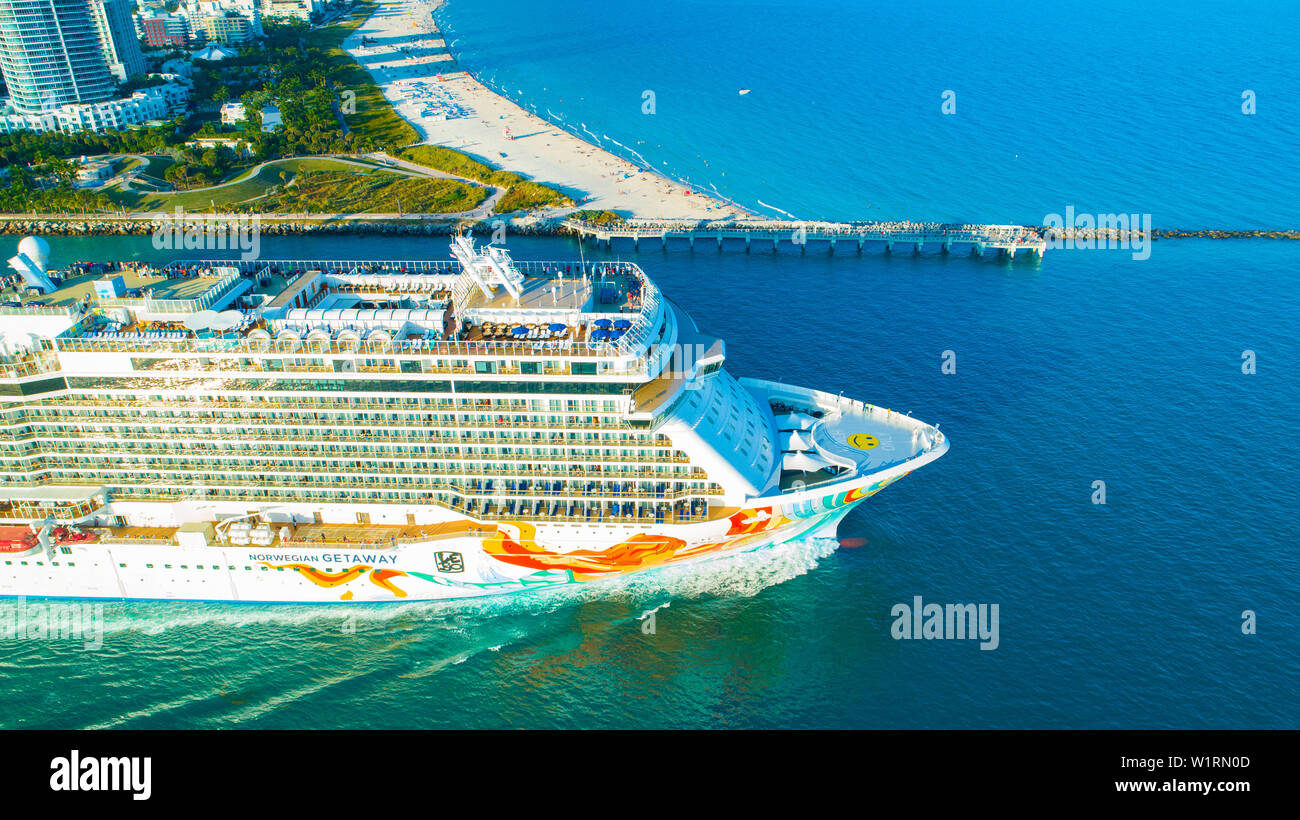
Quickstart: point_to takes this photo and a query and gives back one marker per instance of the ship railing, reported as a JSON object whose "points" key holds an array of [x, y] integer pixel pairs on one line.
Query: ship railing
{"points": [[316, 543], [181, 447], [455, 504], [565, 467], [192, 481], [113, 475], [31, 365], [123, 539], [438, 424], [333, 435], [47, 310], [553, 348], [209, 408]]}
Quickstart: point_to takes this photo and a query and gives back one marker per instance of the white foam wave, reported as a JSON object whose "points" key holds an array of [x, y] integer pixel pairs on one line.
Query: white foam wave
{"points": [[778, 210]]}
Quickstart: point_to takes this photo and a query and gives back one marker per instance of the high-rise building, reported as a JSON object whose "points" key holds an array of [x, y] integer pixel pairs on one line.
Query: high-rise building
{"points": [[118, 39], [228, 29], [165, 30], [301, 9], [50, 55], [198, 12]]}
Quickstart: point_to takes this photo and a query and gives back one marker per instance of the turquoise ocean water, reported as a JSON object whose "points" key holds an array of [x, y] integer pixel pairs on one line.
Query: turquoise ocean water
{"points": [[1089, 366]]}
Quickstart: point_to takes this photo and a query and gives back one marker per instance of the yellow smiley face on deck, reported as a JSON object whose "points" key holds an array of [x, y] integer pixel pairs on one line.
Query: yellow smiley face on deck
{"points": [[863, 441]]}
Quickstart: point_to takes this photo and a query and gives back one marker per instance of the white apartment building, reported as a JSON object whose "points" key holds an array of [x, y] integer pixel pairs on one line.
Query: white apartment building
{"points": [[153, 103]]}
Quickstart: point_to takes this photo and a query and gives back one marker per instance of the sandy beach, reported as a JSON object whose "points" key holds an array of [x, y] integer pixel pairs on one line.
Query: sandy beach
{"points": [[405, 53]]}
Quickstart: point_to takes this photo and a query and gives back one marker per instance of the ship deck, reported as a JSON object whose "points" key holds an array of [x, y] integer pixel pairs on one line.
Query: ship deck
{"points": [[76, 288], [324, 536]]}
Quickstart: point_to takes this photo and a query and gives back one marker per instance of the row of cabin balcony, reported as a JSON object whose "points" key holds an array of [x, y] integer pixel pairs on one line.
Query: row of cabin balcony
{"points": [[466, 425], [324, 403], [557, 463], [127, 447], [357, 409], [375, 428], [680, 512], [428, 471], [410, 367], [399, 417], [192, 482], [685, 511], [279, 434], [420, 351]]}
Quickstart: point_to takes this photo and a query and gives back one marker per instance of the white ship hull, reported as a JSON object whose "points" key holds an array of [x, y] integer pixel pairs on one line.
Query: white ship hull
{"points": [[494, 558], [371, 432]]}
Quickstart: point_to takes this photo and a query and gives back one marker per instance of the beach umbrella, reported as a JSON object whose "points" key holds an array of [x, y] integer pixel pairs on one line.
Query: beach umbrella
{"points": [[603, 323], [794, 421], [797, 440], [520, 331], [623, 323], [805, 462], [556, 327], [600, 335]]}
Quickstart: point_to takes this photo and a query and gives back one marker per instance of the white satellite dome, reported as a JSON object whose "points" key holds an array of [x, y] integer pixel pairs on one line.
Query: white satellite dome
{"points": [[35, 249]]}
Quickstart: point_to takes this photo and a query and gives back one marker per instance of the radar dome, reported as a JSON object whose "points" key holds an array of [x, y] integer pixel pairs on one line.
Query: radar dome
{"points": [[35, 249]]}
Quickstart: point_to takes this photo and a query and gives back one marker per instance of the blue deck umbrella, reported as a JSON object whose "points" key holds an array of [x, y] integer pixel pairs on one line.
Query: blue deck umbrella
{"points": [[603, 323], [520, 331], [556, 327], [623, 323]]}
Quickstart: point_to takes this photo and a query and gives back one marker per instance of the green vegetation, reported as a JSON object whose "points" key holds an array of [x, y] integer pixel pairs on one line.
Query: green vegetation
{"points": [[374, 120], [372, 192], [26, 147], [242, 189], [520, 194], [46, 186], [329, 105], [597, 217]]}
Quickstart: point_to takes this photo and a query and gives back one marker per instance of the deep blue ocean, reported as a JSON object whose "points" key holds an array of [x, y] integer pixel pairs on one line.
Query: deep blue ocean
{"points": [[1112, 107], [1090, 366]]}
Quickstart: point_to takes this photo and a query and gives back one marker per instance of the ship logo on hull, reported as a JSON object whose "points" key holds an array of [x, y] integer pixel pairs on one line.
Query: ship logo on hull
{"points": [[449, 561]]}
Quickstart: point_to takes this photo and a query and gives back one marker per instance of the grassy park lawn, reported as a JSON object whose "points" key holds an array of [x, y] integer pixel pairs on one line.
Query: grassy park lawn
{"points": [[372, 192], [242, 187], [374, 117], [521, 194]]}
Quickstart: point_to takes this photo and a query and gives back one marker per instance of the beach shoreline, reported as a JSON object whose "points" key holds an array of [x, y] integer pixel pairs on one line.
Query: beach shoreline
{"points": [[401, 47]]}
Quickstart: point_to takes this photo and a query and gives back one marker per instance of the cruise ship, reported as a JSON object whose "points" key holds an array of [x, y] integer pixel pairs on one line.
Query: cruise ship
{"points": [[337, 431]]}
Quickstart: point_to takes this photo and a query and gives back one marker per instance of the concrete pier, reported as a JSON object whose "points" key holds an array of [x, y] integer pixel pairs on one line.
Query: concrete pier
{"points": [[1005, 239]]}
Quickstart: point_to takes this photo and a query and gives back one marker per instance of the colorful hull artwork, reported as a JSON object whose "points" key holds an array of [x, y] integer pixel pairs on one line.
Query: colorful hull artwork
{"points": [[328, 579], [514, 544], [481, 559], [750, 527]]}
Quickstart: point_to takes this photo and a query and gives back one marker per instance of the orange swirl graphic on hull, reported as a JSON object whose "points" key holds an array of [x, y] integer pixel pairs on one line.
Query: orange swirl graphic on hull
{"points": [[321, 578], [380, 578], [855, 494], [760, 519], [638, 552]]}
